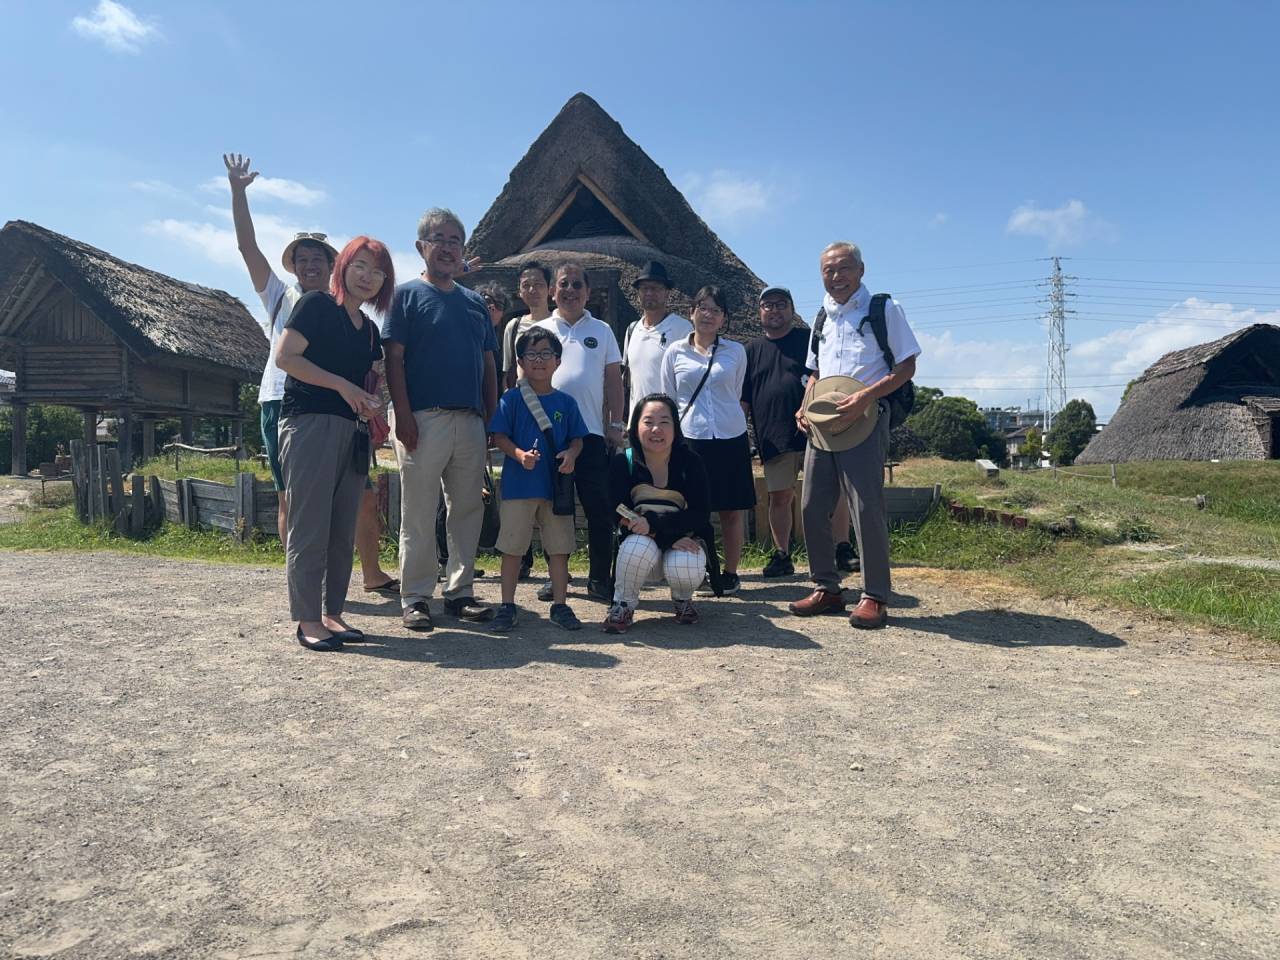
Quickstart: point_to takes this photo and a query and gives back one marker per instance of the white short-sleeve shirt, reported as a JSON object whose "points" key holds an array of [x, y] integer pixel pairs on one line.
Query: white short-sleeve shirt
{"points": [[843, 351], [589, 346], [717, 411], [279, 300], [645, 351]]}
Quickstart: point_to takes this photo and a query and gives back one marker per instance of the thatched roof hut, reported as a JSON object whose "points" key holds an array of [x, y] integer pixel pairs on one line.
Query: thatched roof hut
{"points": [[1214, 401], [86, 329], [585, 191]]}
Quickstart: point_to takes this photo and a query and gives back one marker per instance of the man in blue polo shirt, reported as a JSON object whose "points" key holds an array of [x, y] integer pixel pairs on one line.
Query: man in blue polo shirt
{"points": [[443, 382]]}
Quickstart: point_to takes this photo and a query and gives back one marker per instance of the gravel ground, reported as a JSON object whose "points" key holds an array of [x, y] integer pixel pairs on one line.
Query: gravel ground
{"points": [[993, 776]]}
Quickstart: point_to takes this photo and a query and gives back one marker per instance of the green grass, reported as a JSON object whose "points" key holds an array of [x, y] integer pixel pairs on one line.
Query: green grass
{"points": [[1229, 596]]}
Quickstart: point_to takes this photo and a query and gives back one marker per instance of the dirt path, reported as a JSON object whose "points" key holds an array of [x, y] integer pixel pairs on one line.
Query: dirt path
{"points": [[14, 495], [991, 777]]}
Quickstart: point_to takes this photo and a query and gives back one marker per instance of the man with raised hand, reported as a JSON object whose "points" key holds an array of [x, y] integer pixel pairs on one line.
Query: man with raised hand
{"points": [[844, 344], [647, 339], [444, 388], [309, 257], [590, 371]]}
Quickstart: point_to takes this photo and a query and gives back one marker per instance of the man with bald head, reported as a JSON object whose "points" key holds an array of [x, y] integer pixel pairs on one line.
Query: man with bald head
{"points": [[844, 344]]}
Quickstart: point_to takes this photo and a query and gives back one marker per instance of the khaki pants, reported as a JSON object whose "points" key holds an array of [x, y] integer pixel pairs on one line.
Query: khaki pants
{"points": [[324, 490], [858, 475], [451, 448]]}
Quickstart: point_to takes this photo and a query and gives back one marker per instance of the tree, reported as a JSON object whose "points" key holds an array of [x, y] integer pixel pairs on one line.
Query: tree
{"points": [[1073, 428], [47, 426], [952, 427], [1033, 448], [924, 397]]}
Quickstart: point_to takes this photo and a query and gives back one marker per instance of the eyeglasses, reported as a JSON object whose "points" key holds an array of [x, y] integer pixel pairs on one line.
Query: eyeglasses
{"points": [[359, 269], [566, 284], [543, 355], [449, 243], [774, 305]]}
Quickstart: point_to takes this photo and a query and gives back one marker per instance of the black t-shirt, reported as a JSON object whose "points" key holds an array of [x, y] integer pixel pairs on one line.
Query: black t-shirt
{"points": [[774, 388], [333, 344]]}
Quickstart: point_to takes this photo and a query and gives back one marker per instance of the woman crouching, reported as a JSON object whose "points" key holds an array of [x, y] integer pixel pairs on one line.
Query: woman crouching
{"points": [[663, 486], [327, 349]]}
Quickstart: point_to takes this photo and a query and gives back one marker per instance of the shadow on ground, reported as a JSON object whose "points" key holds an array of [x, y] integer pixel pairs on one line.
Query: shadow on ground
{"points": [[1002, 628]]}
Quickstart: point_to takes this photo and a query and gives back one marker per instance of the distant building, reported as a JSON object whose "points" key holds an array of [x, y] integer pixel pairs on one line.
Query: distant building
{"points": [[1214, 401], [1004, 419], [8, 382]]}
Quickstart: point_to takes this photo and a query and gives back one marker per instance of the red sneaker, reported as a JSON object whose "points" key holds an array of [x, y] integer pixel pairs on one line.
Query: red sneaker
{"points": [[619, 618]]}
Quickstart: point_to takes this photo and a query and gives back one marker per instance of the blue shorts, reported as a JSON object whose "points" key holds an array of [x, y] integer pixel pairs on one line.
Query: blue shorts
{"points": [[271, 439]]}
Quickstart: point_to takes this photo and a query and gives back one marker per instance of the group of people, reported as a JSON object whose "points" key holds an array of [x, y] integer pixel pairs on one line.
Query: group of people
{"points": [[650, 438]]}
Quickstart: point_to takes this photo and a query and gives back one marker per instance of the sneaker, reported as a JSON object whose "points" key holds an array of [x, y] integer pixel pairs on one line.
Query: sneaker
{"points": [[526, 571], [618, 619], [704, 589], [505, 619], [547, 593], [729, 583], [685, 612], [468, 608], [779, 565], [417, 616], [601, 590], [563, 617], [846, 559]]}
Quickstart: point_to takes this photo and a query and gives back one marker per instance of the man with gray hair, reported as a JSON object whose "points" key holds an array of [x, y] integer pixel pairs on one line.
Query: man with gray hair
{"points": [[443, 382], [861, 351]]}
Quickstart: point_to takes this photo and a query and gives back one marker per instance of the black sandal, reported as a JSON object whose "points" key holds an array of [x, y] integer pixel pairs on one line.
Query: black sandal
{"points": [[391, 588]]}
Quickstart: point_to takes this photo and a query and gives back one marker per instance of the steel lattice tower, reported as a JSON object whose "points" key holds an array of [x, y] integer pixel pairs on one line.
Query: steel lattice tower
{"points": [[1055, 381]]}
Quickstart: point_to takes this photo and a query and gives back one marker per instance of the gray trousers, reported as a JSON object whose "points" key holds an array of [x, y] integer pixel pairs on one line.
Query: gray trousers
{"points": [[858, 475], [324, 490]]}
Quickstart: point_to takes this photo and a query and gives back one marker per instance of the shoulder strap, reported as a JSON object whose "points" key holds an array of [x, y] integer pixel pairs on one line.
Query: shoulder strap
{"points": [[626, 340], [880, 327], [631, 463], [535, 407], [279, 303], [705, 373], [815, 335]]}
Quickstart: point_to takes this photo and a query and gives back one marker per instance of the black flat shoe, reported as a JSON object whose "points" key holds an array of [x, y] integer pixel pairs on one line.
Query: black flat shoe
{"points": [[348, 636], [329, 643]]}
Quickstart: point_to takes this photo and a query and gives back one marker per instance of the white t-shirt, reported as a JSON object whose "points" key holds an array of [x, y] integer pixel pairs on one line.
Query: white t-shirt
{"points": [[844, 352], [589, 346], [717, 413], [510, 334], [272, 386], [644, 355]]}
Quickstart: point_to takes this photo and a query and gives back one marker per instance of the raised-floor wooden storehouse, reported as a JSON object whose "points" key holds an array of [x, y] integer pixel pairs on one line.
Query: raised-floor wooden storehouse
{"points": [[1214, 401], [585, 191], [85, 329]]}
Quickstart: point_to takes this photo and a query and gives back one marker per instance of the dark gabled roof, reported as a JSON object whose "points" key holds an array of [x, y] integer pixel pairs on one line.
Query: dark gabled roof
{"points": [[153, 314], [1200, 354], [585, 154]]}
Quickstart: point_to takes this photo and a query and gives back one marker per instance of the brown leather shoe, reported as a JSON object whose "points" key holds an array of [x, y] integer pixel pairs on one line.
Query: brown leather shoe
{"points": [[818, 602], [869, 614]]}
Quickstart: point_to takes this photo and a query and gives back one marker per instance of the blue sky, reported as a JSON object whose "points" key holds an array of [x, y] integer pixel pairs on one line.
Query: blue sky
{"points": [[958, 144]]}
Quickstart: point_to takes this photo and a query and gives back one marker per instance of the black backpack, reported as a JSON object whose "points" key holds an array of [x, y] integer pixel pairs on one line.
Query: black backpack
{"points": [[902, 400]]}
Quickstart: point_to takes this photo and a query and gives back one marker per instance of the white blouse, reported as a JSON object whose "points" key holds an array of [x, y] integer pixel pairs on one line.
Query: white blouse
{"points": [[717, 413]]}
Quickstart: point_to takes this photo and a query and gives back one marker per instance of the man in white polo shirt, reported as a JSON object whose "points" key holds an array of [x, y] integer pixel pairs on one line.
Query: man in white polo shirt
{"points": [[591, 372], [647, 339]]}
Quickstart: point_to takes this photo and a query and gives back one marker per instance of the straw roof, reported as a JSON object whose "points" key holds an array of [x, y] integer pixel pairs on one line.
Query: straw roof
{"points": [[153, 314], [586, 191], [1213, 401]]}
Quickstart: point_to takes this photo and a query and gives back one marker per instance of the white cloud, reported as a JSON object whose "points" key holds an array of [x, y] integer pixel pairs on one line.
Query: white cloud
{"points": [[1068, 224], [159, 188], [938, 220], [727, 196], [998, 372], [276, 188], [117, 27]]}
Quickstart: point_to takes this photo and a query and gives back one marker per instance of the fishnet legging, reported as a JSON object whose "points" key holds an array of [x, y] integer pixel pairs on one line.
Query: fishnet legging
{"points": [[640, 559]]}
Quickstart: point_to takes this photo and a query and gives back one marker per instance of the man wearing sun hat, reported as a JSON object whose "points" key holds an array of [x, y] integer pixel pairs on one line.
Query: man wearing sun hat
{"points": [[846, 415]]}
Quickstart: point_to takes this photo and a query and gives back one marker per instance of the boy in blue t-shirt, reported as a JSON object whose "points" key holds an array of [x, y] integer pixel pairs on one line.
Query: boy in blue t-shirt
{"points": [[526, 476]]}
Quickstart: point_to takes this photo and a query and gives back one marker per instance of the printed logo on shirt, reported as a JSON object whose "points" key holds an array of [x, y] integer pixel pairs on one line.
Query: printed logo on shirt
{"points": [[591, 343], [557, 416]]}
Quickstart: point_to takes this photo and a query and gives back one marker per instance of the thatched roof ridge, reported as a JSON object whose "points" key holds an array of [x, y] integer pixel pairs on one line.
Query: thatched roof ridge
{"points": [[584, 139], [1207, 402], [153, 314], [1200, 354]]}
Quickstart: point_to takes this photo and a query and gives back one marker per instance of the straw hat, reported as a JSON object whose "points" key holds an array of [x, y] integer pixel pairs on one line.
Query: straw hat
{"points": [[826, 430], [286, 258]]}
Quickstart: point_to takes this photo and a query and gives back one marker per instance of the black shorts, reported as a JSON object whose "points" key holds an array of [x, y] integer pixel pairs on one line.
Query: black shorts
{"points": [[728, 465]]}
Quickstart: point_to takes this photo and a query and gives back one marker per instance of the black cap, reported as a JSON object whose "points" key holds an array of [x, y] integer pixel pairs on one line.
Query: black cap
{"points": [[653, 271]]}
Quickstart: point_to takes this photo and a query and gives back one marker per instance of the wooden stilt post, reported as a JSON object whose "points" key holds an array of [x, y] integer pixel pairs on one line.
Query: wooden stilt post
{"points": [[124, 437], [148, 438], [119, 503]]}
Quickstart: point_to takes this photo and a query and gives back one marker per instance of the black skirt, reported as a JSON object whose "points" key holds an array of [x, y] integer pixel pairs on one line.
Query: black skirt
{"points": [[728, 464]]}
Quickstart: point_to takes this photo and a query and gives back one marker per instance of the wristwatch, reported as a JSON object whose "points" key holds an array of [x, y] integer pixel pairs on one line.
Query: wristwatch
{"points": [[617, 425]]}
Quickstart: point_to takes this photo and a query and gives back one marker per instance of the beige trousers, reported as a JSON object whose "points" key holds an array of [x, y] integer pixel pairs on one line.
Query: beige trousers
{"points": [[451, 447]]}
